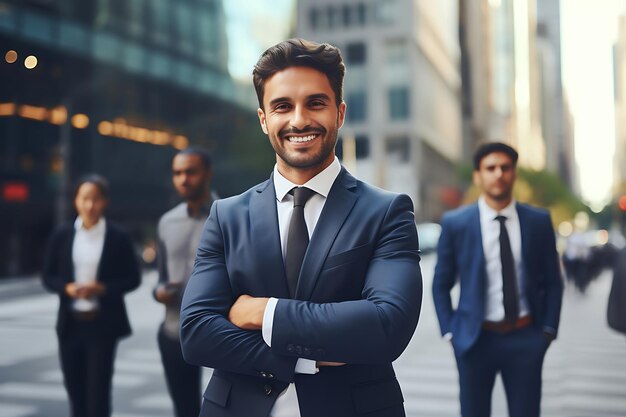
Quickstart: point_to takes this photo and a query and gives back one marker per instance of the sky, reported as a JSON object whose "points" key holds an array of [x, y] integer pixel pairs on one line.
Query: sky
{"points": [[252, 27], [588, 32]]}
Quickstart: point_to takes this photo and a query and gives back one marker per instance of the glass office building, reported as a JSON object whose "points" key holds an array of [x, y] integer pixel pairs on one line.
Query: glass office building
{"points": [[114, 87]]}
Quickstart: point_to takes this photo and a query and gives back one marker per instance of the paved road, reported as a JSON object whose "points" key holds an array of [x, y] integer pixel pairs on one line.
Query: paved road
{"points": [[585, 371]]}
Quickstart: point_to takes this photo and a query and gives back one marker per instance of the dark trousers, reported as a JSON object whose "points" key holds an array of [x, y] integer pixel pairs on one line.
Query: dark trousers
{"points": [[183, 380], [518, 357], [87, 366]]}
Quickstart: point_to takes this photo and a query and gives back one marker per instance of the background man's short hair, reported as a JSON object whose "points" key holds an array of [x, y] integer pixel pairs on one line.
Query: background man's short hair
{"points": [[204, 156], [491, 147]]}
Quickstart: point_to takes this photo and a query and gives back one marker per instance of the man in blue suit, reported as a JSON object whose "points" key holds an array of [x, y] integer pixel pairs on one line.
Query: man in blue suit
{"points": [[503, 255], [306, 287]]}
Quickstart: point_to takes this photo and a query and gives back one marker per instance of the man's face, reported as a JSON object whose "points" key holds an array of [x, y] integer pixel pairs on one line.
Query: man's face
{"points": [[301, 119], [190, 177], [496, 176]]}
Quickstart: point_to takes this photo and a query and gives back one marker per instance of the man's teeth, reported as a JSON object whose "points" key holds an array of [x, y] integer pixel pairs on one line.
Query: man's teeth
{"points": [[299, 139]]}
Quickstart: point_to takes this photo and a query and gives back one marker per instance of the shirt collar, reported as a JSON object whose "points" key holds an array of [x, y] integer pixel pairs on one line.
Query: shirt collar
{"points": [[487, 213], [204, 211], [98, 227], [321, 183]]}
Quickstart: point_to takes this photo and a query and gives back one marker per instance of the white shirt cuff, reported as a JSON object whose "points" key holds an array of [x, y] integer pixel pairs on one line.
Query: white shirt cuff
{"points": [[447, 337], [268, 321], [306, 366]]}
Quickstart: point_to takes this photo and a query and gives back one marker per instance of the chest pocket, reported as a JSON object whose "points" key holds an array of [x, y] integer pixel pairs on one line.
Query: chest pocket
{"points": [[361, 252]]}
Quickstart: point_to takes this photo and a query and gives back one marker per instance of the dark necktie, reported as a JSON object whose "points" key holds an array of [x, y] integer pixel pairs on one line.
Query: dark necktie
{"points": [[297, 238], [509, 281]]}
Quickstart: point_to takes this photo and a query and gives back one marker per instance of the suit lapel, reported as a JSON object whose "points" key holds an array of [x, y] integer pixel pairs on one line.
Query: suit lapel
{"points": [[339, 203], [476, 237], [524, 232], [67, 250], [269, 264]]}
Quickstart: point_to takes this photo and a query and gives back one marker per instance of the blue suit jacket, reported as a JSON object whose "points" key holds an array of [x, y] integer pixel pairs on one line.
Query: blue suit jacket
{"points": [[358, 301], [460, 258]]}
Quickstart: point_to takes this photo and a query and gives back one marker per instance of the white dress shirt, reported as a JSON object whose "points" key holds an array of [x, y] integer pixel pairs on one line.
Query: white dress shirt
{"points": [[490, 230], [86, 254], [287, 402]]}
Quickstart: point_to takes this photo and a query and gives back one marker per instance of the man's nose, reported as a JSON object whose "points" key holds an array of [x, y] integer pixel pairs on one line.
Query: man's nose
{"points": [[300, 118]]}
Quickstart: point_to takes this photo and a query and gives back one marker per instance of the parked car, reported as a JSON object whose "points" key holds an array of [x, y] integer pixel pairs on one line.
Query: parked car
{"points": [[428, 234]]}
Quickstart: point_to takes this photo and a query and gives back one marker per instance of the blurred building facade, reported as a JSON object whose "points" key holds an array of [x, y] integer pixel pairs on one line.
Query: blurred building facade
{"points": [[619, 59], [512, 86], [402, 91], [554, 119], [114, 87]]}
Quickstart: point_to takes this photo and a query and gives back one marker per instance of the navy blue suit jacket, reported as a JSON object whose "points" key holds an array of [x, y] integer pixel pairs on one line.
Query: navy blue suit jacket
{"points": [[357, 301], [460, 258], [118, 271]]}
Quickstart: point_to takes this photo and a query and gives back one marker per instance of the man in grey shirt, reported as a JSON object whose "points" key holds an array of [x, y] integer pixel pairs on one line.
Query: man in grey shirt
{"points": [[179, 234]]}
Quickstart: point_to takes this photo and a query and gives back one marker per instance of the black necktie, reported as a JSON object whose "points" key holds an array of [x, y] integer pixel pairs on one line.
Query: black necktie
{"points": [[509, 281], [297, 238]]}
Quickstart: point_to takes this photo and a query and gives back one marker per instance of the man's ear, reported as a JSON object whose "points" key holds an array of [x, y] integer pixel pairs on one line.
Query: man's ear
{"points": [[342, 114], [261, 115], [476, 178]]}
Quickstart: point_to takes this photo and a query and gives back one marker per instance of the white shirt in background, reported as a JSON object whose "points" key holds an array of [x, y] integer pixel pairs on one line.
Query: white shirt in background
{"points": [[86, 254]]}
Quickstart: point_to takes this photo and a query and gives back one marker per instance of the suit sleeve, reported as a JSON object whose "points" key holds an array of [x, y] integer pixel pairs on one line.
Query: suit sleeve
{"points": [[207, 337], [128, 275], [51, 274], [553, 281], [445, 277], [375, 329]]}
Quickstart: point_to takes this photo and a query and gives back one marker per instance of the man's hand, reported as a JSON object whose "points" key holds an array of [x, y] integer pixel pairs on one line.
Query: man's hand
{"points": [[84, 290], [167, 293], [247, 312], [323, 363]]}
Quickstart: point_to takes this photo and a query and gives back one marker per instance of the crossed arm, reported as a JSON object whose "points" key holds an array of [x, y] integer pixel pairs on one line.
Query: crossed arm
{"points": [[218, 331]]}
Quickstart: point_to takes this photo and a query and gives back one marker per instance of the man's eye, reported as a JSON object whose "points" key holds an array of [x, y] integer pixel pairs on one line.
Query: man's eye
{"points": [[282, 106], [317, 103]]}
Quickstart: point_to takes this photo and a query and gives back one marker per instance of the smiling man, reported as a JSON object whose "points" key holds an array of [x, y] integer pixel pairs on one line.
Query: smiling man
{"points": [[306, 287], [503, 255]]}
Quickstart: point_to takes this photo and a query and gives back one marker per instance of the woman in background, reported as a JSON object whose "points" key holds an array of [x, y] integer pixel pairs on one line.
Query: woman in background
{"points": [[91, 264]]}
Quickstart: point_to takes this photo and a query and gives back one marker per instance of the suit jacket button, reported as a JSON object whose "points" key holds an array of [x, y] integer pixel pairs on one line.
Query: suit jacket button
{"points": [[299, 350], [267, 389], [291, 348], [307, 351], [269, 375]]}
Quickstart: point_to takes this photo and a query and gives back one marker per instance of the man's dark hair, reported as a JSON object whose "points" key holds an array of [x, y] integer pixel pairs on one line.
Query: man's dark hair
{"points": [[96, 179], [204, 156], [492, 147], [300, 53]]}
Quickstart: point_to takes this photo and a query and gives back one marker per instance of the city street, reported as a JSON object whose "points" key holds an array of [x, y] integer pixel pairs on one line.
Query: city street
{"points": [[585, 369]]}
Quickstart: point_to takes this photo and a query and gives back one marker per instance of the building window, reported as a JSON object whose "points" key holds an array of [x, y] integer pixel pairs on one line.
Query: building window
{"points": [[347, 15], [384, 12], [314, 18], [362, 145], [333, 17], [356, 106], [355, 53], [361, 14], [398, 149], [398, 103]]}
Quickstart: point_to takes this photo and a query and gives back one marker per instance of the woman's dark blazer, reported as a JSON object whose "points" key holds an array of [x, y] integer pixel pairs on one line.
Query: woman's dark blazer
{"points": [[118, 271]]}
